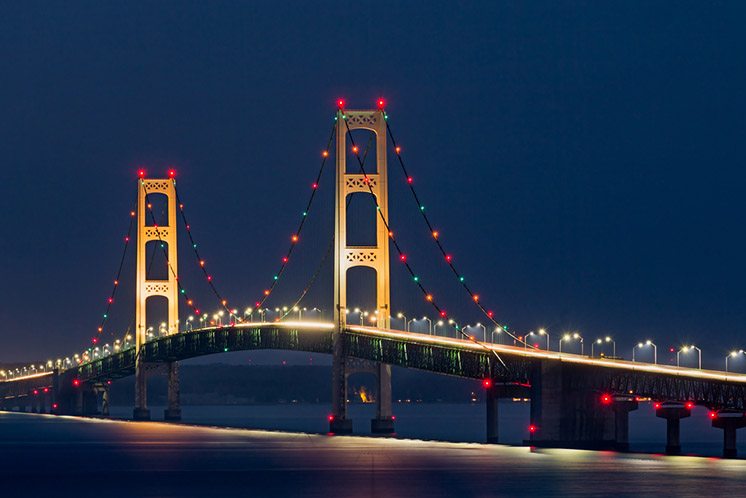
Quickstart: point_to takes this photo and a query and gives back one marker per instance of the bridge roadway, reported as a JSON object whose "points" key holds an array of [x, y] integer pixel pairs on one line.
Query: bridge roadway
{"points": [[443, 355]]}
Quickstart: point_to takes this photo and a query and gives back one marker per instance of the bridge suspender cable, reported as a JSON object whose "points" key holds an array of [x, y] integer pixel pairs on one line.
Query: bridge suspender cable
{"points": [[112, 294], [200, 262], [402, 257], [296, 236], [435, 235], [328, 252]]}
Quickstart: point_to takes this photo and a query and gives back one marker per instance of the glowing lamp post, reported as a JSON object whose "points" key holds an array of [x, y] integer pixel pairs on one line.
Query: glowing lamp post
{"points": [[569, 337], [640, 345], [600, 341], [733, 354], [686, 349]]}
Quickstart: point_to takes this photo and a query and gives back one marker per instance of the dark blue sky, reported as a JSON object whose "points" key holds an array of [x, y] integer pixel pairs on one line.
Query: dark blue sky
{"points": [[583, 161]]}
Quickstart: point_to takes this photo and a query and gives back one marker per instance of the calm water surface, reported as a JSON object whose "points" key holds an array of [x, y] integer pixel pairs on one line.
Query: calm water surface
{"points": [[43, 455]]}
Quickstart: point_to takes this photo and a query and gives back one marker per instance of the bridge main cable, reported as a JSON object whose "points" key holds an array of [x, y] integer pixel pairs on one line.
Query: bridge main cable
{"points": [[402, 256]]}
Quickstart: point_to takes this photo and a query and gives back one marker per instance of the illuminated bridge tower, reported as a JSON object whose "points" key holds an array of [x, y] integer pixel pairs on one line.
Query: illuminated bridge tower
{"points": [[147, 288], [346, 257]]}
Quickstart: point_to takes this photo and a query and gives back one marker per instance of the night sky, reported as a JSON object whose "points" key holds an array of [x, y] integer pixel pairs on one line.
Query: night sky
{"points": [[583, 162]]}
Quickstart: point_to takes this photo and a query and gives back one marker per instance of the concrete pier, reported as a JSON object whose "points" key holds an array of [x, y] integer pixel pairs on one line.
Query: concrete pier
{"points": [[729, 422], [673, 412], [173, 411], [491, 404], [384, 421]]}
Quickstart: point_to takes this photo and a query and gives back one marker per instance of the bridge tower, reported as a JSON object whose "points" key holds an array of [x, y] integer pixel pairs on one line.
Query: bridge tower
{"points": [[346, 257], [146, 288]]}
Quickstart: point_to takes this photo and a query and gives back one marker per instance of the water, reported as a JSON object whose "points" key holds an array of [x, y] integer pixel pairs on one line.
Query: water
{"points": [[43, 455]]}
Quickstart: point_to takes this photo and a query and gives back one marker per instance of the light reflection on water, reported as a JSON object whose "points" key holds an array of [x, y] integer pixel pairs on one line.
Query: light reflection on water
{"points": [[447, 422], [62, 456]]}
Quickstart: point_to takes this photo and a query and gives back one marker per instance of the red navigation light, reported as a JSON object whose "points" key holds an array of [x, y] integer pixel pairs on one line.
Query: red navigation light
{"points": [[606, 399], [76, 383], [393, 417], [487, 383], [141, 173], [713, 415], [46, 389], [656, 405], [36, 392], [330, 418], [532, 428], [172, 173], [689, 405], [381, 103], [443, 314], [671, 350], [94, 340], [55, 406], [341, 104]]}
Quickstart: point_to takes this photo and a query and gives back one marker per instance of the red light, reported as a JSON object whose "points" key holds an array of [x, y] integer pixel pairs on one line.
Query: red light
{"points": [[487, 383], [671, 350], [393, 417], [46, 389], [443, 314], [689, 405], [285, 259], [76, 383], [410, 180], [55, 406], [172, 173], [340, 104], [315, 186], [381, 104], [490, 314], [330, 418], [403, 258], [36, 392], [141, 173], [532, 428], [449, 258], [656, 406], [94, 340], [606, 399], [713, 415]]}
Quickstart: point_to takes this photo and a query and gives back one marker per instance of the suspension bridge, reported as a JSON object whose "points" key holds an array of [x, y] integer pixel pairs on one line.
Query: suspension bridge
{"points": [[577, 400]]}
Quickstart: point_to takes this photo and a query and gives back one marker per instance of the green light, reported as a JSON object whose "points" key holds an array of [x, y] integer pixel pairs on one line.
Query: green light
{"points": [[106, 316], [416, 278], [194, 246], [225, 350], [275, 277], [183, 291], [461, 279], [422, 208], [305, 213]]}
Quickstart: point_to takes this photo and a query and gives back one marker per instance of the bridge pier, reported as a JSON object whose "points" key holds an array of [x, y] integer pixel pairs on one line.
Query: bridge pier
{"points": [[141, 411], [86, 401], [567, 412], [622, 405], [173, 411], [673, 413], [491, 400], [338, 421], [384, 421], [729, 422]]}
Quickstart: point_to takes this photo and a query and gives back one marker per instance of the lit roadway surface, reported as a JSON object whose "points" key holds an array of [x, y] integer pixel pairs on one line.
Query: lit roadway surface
{"points": [[310, 326], [42, 455]]}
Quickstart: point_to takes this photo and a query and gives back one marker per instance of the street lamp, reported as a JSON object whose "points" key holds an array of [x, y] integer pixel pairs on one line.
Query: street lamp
{"points": [[569, 337], [189, 326], [686, 349], [732, 354], [403, 317], [647, 343], [540, 332], [498, 330], [600, 341], [250, 313], [478, 325]]}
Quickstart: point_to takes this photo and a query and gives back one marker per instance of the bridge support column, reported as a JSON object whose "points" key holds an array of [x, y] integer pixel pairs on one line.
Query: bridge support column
{"points": [[173, 412], [338, 421], [384, 421], [105, 401], [729, 422], [141, 411], [673, 413], [566, 412], [491, 400], [622, 405]]}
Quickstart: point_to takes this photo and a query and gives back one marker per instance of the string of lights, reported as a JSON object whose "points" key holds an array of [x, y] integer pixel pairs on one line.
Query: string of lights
{"points": [[402, 255], [112, 294], [435, 235], [328, 252], [296, 235], [200, 261]]}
